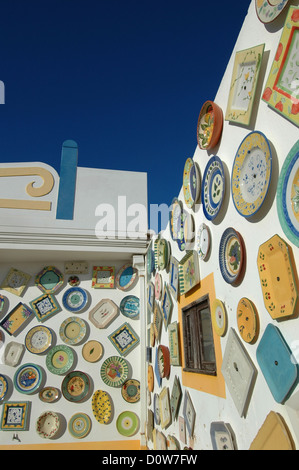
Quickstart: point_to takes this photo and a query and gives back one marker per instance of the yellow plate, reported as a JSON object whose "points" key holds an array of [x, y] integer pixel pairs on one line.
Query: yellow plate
{"points": [[219, 318], [247, 319]]}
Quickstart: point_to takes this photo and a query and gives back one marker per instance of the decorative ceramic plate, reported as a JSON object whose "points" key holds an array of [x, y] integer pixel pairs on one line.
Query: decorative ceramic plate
{"points": [[181, 225], [288, 196], [209, 126], [127, 423], [102, 407], [28, 378], [221, 436], [231, 255], [49, 280], [39, 339], [268, 10], [16, 281], [176, 397], [44, 307], [163, 361], [219, 317], [49, 395], [150, 378], [114, 371], [92, 351], [166, 306], [164, 404], [189, 413], [126, 277], [174, 277], [75, 299], [189, 275], [13, 354], [158, 286], [203, 241], [130, 306], [251, 174], [73, 330], [247, 319], [103, 277], [277, 364], [15, 416], [124, 339], [162, 253], [213, 188], [79, 425], [130, 391], [60, 359], [277, 278], [47, 425], [274, 434], [15, 320], [103, 313], [191, 182], [75, 386], [3, 387]]}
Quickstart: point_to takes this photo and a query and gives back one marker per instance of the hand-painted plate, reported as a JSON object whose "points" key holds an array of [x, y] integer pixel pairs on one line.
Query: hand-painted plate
{"points": [[28, 378], [213, 188], [251, 174], [191, 182], [126, 277], [114, 371], [102, 407], [73, 330], [247, 319], [130, 306], [268, 10], [92, 351], [75, 299], [231, 255], [39, 340], [288, 196], [127, 423], [79, 425], [75, 386], [49, 395], [47, 425], [3, 387], [130, 391], [203, 241], [219, 317], [60, 359]]}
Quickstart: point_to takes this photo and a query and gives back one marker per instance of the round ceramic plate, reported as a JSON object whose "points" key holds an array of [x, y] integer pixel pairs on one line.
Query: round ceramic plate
{"points": [[213, 188], [75, 299], [191, 182], [251, 174], [39, 339], [3, 387], [47, 425], [130, 306], [126, 277], [158, 286], [247, 320], [73, 330], [268, 10], [92, 351], [28, 378], [288, 196], [49, 395], [114, 371], [60, 359], [162, 253], [203, 241], [219, 318], [231, 255], [101, 407], [75, 386], [127, 423], [79, 425], [130, 391]]}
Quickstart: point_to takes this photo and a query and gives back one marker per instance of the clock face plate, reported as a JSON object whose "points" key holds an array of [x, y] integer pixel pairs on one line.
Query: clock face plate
{"points": [[75, 299]]}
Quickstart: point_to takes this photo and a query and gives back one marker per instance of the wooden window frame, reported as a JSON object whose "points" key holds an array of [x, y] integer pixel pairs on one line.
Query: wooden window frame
{"points": [[193, 338]]}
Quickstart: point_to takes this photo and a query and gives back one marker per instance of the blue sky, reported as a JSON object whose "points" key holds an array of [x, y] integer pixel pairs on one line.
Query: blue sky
{"points": [[125, 80]]}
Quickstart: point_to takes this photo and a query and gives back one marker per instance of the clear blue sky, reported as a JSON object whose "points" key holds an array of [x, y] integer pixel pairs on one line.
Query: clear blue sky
{"points": [[124, 79]]}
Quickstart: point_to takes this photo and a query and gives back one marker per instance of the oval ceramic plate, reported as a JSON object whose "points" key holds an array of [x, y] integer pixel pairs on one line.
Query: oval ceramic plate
{"points": [[73, 330], [219, 318], [75, 299], [102, 407], [203, 241], [213, 188], [130, 391], [79, 425], [47, 425], [231, 255], [191, 182], [28, 378], [209, 125], [75, 386], [288, 196], [3, 387], [114, 371], [127, 423], [126, 277], [247, 320], [92, 351], [162, 253], [60, 359], [39, 339], [130, 306], [268, 10], [251, 174], [49, 395]]}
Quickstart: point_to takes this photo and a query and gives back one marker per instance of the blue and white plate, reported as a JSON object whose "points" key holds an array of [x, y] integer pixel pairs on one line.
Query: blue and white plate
{"points": [[130, 306], [213, 188], [74, 299], [231, 255], [28, 378], [126, 277]]}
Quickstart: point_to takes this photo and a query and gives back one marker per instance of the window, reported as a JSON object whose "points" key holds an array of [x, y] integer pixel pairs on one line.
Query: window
{"points": [[198, 338]]}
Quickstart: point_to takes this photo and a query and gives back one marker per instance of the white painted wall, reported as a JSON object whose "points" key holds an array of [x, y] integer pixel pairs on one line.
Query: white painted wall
{"points": [[282, 135]]}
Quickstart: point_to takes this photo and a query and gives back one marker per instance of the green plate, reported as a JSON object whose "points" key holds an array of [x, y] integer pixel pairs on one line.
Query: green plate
{"points": [[60, 359], [75, 386], [114, 371], [127, 423], [79, 425]]}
